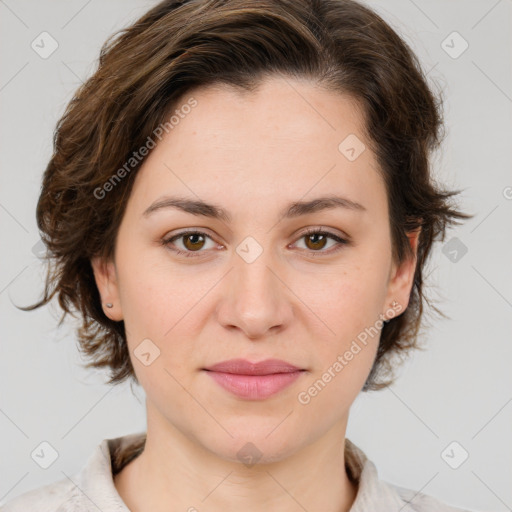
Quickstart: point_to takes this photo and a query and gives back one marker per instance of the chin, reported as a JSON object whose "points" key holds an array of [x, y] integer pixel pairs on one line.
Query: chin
{"points": [[255, 451], [254, 441]]}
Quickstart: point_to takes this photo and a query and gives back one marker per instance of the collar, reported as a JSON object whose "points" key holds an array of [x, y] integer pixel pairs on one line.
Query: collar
{"points": [[95, 481]]}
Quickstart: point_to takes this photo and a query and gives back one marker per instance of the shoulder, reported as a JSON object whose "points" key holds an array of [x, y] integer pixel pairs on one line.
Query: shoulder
{"points": [[420, 502], [48, 498], [376, 494], [93, 486]]}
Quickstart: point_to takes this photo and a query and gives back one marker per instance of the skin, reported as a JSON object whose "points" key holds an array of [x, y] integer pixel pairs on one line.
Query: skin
{"points": [[252, 154]]}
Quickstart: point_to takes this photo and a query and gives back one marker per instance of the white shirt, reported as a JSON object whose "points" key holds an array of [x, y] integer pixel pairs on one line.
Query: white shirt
{"points": [[92, 488]]}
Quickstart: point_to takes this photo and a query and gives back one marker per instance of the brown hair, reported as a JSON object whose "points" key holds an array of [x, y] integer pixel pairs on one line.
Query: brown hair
{"points": [[179, 45]]}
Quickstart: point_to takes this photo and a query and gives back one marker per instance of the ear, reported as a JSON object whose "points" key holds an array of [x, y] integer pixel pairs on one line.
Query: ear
{"points": [[106, 280], [402, 277]]}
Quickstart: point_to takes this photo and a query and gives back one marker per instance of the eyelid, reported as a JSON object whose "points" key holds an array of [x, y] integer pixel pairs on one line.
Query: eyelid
{"points": [[167, 240], [341, 241], [328, 231]]}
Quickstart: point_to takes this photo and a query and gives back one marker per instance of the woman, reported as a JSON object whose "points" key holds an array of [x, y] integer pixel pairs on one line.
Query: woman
{"points": [[240, 206]]}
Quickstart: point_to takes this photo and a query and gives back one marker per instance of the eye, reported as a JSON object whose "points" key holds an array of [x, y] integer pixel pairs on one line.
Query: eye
{"points": [[316, 239], [192, 242]]}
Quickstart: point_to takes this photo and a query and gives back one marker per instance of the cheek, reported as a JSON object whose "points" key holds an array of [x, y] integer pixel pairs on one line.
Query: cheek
{"points": [[347, 303], [348, 297], [154, 295], [344, 354], [166, 307]]}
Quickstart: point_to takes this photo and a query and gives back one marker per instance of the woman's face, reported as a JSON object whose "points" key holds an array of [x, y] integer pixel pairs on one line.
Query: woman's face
{"points": [[253, 284]]}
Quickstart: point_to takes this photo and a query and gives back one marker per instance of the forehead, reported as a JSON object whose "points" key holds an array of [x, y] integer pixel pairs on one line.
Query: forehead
{"points": [[279, 108], [286, 140]]}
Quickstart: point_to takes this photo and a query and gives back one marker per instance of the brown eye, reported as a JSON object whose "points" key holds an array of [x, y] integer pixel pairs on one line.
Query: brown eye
{"points": [[316, 241], [193, 242]]}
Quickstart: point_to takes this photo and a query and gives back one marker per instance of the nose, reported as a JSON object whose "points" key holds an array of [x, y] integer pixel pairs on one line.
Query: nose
{"points": [[255, 298]]}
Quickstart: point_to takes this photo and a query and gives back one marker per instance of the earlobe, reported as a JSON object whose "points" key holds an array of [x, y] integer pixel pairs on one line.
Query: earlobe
{"points": [[106, 282], [402, 279]]}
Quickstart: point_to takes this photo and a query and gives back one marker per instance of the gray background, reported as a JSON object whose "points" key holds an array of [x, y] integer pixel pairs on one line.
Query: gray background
{"points": [[458, 390]]}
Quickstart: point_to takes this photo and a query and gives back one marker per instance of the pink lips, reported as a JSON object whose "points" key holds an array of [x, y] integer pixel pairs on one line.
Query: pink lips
{"points": [[254, 381]]}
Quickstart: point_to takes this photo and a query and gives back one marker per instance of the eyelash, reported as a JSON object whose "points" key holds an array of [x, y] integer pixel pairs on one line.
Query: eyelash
{"points": [[311, 231]]}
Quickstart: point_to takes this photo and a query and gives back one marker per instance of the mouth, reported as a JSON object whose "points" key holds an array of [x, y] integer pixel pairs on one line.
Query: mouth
{"points": [[254, 381], [244, 367]]}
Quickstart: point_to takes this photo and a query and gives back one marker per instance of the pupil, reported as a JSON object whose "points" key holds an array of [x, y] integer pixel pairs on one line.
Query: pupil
{"points": [[192, 237], [315, 238]]}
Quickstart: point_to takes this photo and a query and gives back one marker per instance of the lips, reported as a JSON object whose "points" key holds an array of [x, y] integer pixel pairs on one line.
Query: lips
{"points": [[244, 367], [254, 381]]}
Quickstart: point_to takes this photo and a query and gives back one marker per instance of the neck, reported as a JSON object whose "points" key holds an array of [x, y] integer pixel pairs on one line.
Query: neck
{"points": [[174, 473]]}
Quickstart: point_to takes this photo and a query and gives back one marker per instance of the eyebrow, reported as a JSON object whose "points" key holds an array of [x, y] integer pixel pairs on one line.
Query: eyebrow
{"points": [[295, 209]]}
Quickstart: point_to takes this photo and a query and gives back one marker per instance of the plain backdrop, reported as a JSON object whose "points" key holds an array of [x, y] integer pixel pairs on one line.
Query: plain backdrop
{"points": [[451, 402]]}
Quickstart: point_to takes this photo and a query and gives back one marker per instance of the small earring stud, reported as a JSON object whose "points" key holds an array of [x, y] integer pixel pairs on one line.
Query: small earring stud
{"points": [[109, 305]]}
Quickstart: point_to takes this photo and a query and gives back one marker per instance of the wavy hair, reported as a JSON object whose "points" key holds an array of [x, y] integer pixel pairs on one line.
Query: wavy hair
{"points": [[146, 68]]}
